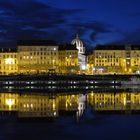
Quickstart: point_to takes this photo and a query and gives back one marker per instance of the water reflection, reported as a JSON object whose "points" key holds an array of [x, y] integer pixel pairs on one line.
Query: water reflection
{"points": [[114, 101], [52, 106], [37, 106]]}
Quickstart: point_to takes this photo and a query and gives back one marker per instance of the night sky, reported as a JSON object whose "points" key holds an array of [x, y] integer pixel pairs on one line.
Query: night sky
{"points": [[96, 21]]}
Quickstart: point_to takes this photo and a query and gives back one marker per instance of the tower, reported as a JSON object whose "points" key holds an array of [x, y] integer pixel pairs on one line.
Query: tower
{"points": [[79, 44], [81, 53]]}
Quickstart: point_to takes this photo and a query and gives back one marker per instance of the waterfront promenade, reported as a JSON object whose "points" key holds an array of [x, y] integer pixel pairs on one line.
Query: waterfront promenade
{"points": [[54, 82]]}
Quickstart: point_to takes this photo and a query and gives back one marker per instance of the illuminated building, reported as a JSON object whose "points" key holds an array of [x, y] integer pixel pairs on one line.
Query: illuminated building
{"points": [[8, 62], [90, 64], [135, 59], [68, 59], [37, 56], [115, 59], [81, 53]]}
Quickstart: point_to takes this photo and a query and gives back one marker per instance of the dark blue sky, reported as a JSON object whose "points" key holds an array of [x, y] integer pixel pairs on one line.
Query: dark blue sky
{"points": [[97, 21]]}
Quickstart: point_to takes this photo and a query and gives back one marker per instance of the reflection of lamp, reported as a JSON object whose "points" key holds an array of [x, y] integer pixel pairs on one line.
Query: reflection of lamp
{"points": [[10, 102], [124, 101], [53, 105], [9, 61]]}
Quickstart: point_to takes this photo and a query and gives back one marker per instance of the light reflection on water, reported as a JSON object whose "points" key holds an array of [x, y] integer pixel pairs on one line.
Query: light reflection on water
{"points": [[96, 115], [39, 105]]}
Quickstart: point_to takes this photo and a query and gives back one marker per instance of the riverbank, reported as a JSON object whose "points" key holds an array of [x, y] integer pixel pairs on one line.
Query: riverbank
{"points": [[61, 83]]}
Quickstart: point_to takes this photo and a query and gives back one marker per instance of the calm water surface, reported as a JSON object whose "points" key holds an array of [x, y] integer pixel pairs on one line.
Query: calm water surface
{"points": [[105, 116]]}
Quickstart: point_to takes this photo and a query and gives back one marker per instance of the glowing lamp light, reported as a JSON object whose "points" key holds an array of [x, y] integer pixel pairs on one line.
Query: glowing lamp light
{"points": [[124, 101], [138, 72], [54, 113], [9, 61], [83, 67], [53, 105], [101, 69], [10, 102]]}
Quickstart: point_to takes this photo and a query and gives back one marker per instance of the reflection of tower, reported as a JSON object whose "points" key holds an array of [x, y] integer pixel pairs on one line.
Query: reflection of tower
{"points": [[81, 105], [81, 52]]}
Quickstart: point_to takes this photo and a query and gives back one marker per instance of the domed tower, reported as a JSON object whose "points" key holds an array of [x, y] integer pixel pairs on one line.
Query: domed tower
{"points": [[81, 53], [79, 44]]}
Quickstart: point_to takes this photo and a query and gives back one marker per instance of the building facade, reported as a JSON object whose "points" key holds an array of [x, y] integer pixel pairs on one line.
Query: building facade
{"points": [[112, 59], [37, 57], [90, 60], [8, 61], [135, 59], [41, 56], [68, 59]]}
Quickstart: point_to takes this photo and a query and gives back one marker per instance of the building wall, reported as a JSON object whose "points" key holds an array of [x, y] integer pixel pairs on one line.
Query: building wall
{"points": [[68, 61], [37, 59], [82, 63], [45, 59], [123, 61], [109, 61], [135, 61], [90, 60], [8, 63]]}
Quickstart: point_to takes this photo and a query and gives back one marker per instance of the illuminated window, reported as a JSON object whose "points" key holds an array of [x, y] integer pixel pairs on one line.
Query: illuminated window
{"points": [[9, 61]]}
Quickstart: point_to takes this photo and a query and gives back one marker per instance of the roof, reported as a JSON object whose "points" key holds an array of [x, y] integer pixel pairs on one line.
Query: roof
{"points": [[77, 40], [117, 47], [110, 47], [8, 50], [67, 47], [135, 47], [36, 43]]}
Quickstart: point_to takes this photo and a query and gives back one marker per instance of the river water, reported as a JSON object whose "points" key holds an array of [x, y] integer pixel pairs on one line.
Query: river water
{"points": [[112, 115]]}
